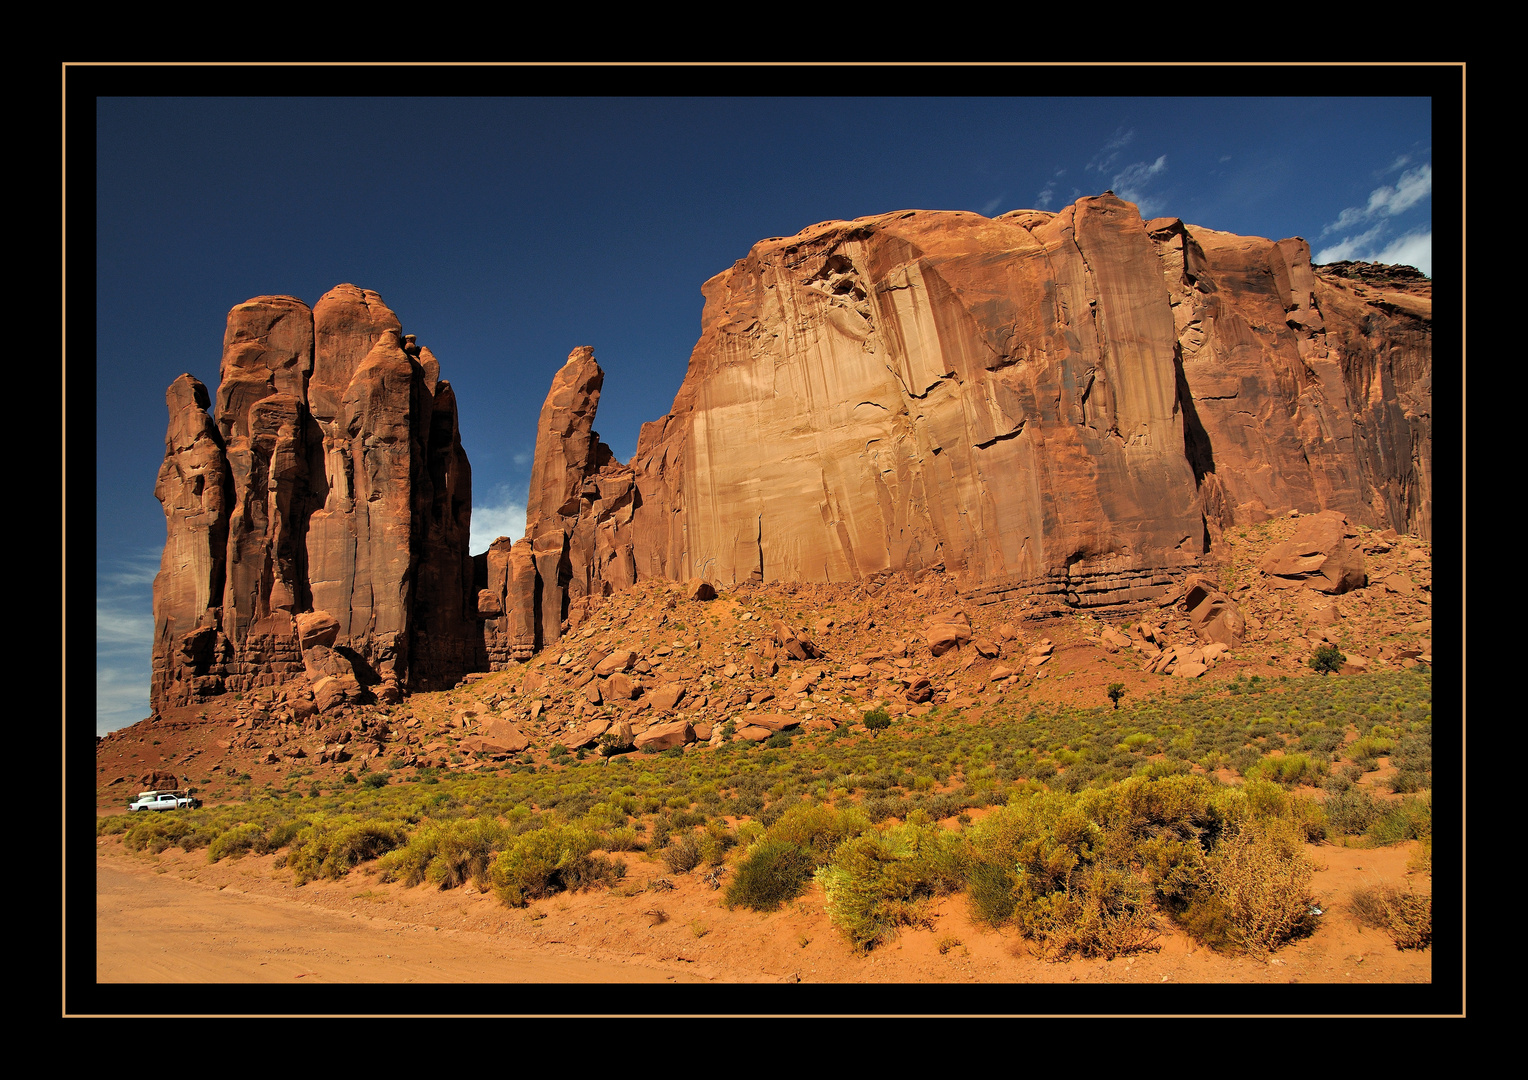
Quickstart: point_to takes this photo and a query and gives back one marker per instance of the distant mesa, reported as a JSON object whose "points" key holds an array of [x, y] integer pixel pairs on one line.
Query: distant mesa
{"points": [[1072, 405]]}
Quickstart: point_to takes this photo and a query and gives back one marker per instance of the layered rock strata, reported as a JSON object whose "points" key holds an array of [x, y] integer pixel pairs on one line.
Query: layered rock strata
{"points": [[330, 481]]}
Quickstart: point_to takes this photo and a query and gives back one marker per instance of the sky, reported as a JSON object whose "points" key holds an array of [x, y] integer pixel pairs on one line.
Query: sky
{"points": [[507, 231]]}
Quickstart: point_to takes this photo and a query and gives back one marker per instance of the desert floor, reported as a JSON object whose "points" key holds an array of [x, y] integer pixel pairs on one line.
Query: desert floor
{"points": [[174, 919]]}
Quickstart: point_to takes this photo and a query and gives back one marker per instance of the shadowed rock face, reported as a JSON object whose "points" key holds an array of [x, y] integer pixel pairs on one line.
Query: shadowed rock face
{"points": [[330, 479], [1302, 390]]}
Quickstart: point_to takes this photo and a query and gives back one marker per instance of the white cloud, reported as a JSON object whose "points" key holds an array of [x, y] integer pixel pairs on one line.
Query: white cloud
{"points": [[118, 624], [1375, 244], [993, 204], [1386, 201], [122, 695], [1412, 249], [1130, 184], [1351, 247], [1106, 157], [491, 522]]}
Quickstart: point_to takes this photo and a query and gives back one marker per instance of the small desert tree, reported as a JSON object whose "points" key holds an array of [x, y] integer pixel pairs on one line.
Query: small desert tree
{"points": [[1327, 659], [1116, 691], [877, 720]]}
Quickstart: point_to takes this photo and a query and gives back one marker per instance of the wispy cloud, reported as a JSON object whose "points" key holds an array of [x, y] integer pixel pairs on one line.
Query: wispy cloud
{"points": [[1376, 242], [1387, 201], [992, 204], [506, 518], [1047, 194], [1411, 249], [1104, 160], [124, 639], [1131, 183]]}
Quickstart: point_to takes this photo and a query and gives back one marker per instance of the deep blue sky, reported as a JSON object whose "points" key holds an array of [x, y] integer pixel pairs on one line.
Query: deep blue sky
{"points": [[507, 231]]}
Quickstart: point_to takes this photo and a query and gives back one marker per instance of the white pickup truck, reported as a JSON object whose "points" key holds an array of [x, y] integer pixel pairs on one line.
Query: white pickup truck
{"points": [[164, 800]]}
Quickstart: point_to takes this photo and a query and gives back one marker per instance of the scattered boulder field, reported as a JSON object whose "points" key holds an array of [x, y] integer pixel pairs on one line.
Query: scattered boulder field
{"points": [[684, 665]]}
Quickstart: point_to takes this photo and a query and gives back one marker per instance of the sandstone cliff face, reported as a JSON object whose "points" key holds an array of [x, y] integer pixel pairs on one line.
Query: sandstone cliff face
{"points": [[1301, 390], [1072, 403], [330, 480], [921, 388]]}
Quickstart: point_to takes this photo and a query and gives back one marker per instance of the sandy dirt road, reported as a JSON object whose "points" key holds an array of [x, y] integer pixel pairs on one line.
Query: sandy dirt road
{"points": [[175, 933]]}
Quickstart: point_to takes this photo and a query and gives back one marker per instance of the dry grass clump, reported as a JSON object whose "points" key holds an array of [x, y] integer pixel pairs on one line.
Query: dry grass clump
{"points": [[1261, 878], [1404, 914]]}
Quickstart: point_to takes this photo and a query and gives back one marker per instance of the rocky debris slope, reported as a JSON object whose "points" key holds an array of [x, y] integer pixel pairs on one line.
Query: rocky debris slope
{"points": [[330, 481], [659, 667]]}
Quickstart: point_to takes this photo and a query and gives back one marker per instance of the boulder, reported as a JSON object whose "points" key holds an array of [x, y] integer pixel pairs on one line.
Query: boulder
{"points": [[665, 736], [502, 736], [1323, 555], [618, 660], [946, 631], [666, 697], [773, 721]]}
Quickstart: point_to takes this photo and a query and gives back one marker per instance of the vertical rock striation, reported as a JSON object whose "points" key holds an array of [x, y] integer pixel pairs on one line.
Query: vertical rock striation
{"points": [[329, 482], [1072, 403], [899, 392]]}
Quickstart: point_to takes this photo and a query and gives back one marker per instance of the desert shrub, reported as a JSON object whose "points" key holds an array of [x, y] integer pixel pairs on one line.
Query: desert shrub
{"points": [[235, 841], [1106, 913], [1309, 817], [1409, 819], [715, 842], [1262, 877], [772, 874], [447, 854], [375, 780], [1243, 758], [1156, 770], [682, 853], [818, 829], [591, 871], [1366, 751], [329, 847], [279, 835], [1407, 782], [533, 865], [1404, 914], [1287, 769], [1206, 919], [1351, 810], [880, 882], [624, 838], [990, 890], [1265, 799]]}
